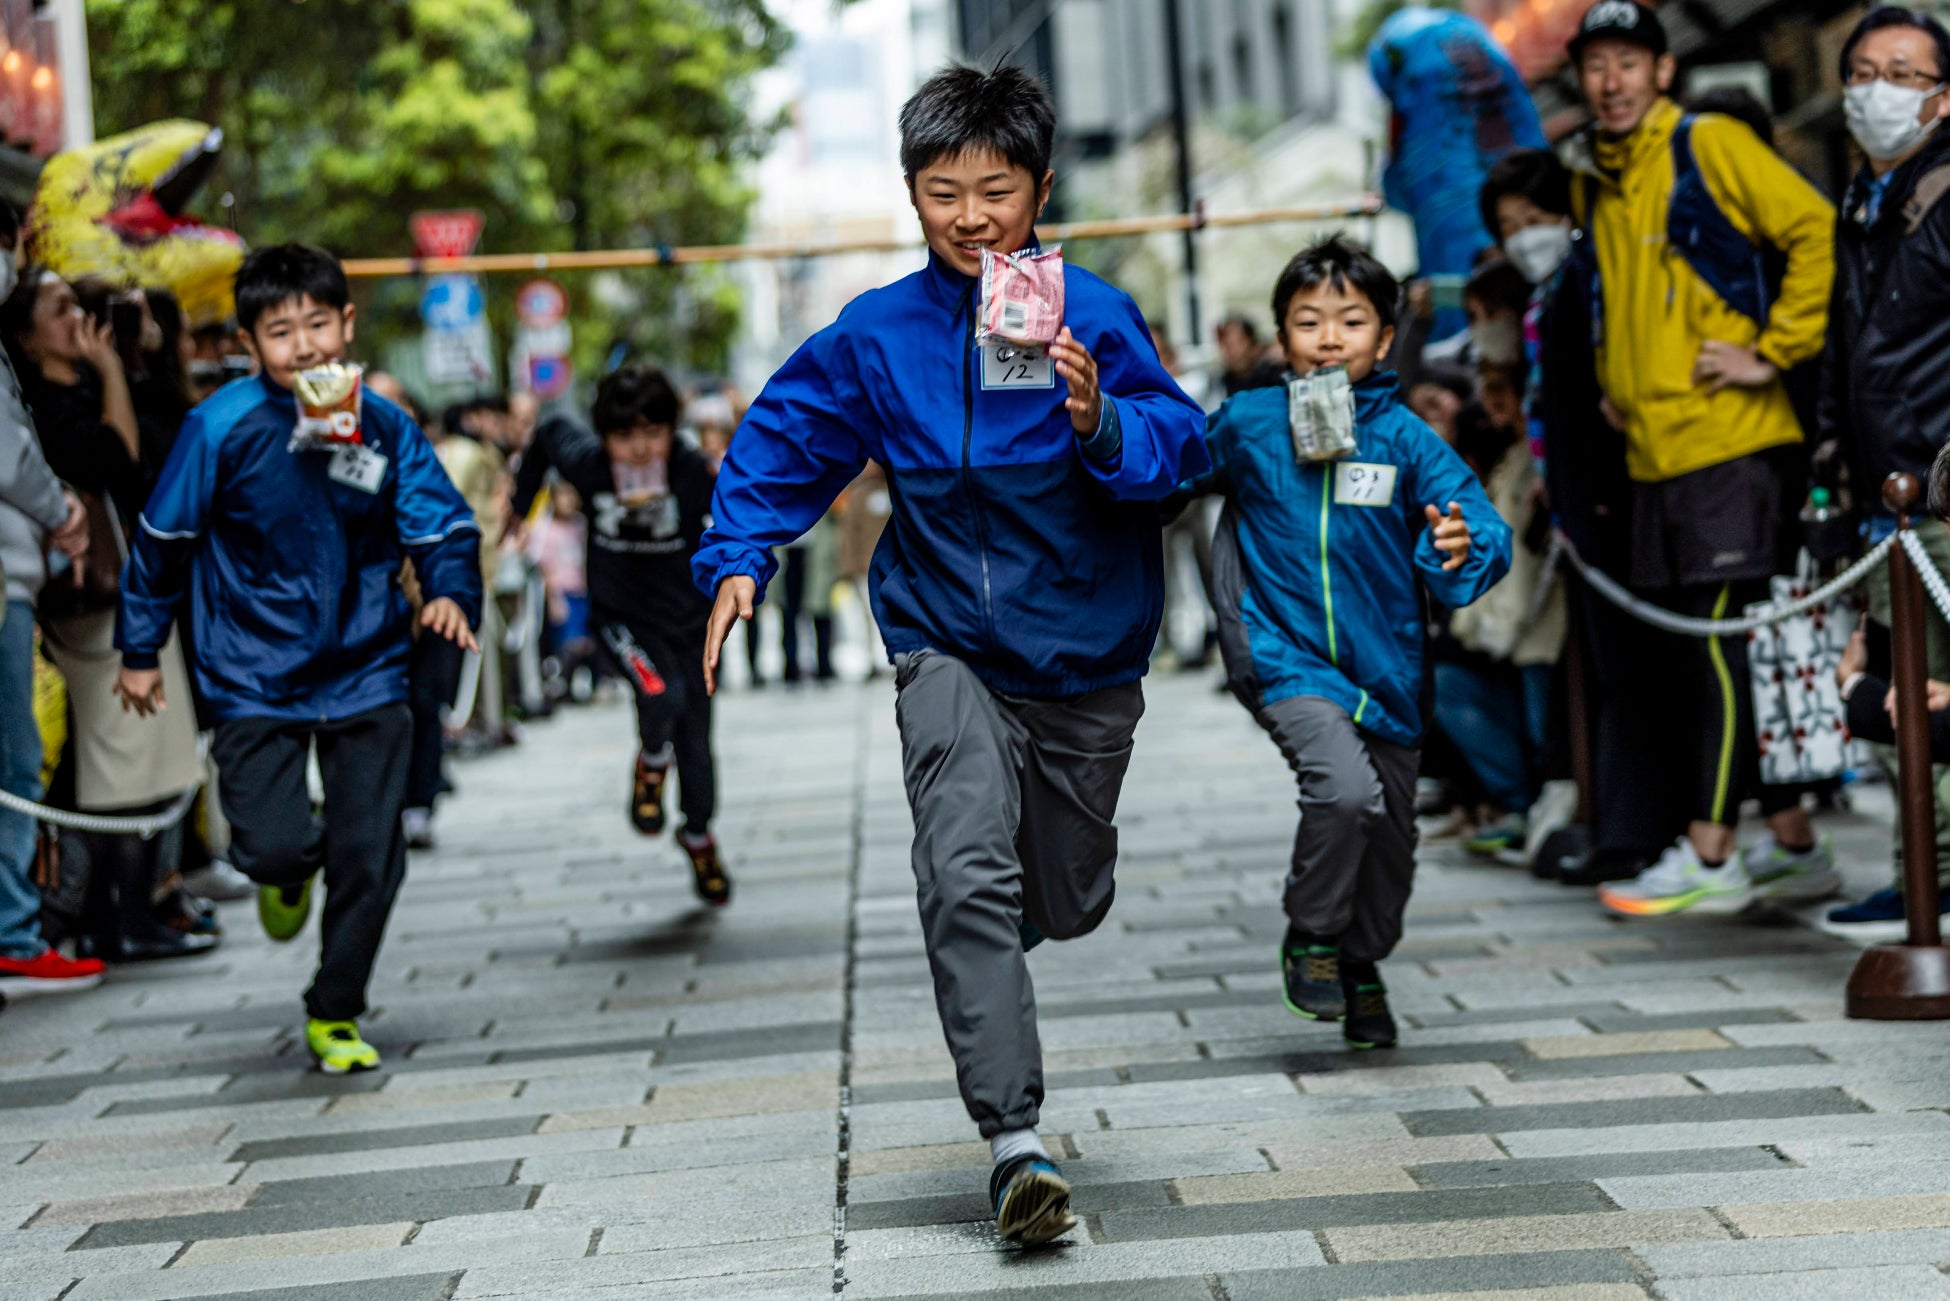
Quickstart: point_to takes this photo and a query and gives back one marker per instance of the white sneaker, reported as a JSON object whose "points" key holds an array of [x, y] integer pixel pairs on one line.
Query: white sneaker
{"points": [[220, 881], [418, 825], [1556, 808], [1679, 882], [1783, 874]]}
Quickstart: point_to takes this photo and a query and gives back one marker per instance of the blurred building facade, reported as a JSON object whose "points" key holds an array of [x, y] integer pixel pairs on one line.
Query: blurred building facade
{"points": [[833, 174], [1277, 114]]}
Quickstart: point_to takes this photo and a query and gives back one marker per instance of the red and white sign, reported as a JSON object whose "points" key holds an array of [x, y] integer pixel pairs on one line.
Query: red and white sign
{"points": [[451, 233], [541, 303]]}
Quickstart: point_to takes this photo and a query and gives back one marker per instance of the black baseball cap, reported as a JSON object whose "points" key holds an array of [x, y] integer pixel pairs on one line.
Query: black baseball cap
{"points": [[1620, 20]]}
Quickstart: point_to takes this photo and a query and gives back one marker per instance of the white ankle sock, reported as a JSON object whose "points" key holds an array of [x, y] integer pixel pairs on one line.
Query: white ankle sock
{"points": [[1014, 1144]]}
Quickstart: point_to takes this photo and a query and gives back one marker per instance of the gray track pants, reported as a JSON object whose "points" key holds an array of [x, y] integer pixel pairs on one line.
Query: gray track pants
{"points": [[1012, 802], [1354, 856]]}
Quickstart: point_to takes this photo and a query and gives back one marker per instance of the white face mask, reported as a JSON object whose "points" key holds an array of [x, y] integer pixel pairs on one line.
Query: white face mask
{"points": [[1499, 342], [1538, 251], [1885, 118]]}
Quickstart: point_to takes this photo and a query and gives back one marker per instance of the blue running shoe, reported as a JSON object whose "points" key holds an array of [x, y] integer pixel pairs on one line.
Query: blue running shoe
{"points": [[1032, 1201], [1882, 906]]}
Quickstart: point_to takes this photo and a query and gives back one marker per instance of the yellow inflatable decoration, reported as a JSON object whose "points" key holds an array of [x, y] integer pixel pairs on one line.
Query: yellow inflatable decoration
{"points": [[115, 209]]}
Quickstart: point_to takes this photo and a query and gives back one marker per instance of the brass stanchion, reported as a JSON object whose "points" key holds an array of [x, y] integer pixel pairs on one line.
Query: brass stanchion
{"points": [[1908, 981]]}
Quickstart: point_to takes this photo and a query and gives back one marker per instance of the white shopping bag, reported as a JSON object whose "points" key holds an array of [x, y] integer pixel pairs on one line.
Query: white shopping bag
{"points": [[1799, 719]]}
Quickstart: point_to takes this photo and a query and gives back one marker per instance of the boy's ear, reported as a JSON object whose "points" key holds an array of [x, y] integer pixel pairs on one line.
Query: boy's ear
{"points": [[350, 312], [249, 340], [1043, 189], [1387, 342]]}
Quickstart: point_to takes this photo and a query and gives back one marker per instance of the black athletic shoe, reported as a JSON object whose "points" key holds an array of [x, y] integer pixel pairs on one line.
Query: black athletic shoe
{"points": [[1369, 1022], [1313, 980], [647, 798], [1031, 1200], [707, 869]]}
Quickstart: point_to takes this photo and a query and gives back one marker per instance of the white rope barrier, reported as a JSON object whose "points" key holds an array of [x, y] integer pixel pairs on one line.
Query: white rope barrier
{"points": [[146, 826], [1933, 583], [1687, 625]]}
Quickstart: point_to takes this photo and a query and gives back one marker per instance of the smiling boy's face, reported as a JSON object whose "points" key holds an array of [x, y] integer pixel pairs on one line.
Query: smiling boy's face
{"points": [[977, 200], [1327, 326], [296, 335]]}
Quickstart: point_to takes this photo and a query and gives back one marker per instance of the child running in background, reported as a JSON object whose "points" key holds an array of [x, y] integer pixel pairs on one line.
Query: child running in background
{"points": [[558, 544], [646, 496], [1018, 585], [1319, 587], [289, 559]]}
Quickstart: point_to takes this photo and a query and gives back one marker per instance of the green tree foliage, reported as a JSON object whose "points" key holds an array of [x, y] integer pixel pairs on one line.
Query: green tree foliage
{"points": [[569, 123]]}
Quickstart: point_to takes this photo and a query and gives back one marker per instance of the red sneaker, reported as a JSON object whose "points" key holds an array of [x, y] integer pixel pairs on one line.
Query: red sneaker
{"points": [[48, 973]]}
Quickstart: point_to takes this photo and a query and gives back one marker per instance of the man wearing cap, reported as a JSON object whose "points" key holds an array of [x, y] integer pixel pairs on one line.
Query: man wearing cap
{"points": [[1692, 338]]}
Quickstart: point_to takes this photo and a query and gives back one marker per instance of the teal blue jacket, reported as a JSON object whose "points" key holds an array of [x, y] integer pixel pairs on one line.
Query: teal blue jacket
{"points": [[1326, 595]]}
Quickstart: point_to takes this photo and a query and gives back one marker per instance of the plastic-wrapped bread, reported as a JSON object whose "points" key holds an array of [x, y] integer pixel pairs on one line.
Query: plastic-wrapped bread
{"points": [[1320, 412], [330, 401], [1022, 297]]}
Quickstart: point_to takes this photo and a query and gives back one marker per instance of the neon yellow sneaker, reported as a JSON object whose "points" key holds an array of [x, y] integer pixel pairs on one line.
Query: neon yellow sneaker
{"points": [[337, 1047], [282, 915]]}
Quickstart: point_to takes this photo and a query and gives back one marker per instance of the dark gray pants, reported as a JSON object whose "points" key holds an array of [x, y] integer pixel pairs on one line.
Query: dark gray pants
{"points": [[1012, 802], [1354, 856], [275, 840]]}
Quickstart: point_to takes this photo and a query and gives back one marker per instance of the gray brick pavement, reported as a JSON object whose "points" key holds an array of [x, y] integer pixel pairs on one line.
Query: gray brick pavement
{"points": [[595, 1089]]}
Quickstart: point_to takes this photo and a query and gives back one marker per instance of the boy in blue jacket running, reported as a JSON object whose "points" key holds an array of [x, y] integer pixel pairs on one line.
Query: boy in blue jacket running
{"points": [[289, 559], [1019, 585], [1318, 576]]}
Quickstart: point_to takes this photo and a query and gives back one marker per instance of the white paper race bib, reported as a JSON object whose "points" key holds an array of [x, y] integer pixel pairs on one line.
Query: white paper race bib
{"points": [[1015, 365], [1356, 484], [358, 466]]}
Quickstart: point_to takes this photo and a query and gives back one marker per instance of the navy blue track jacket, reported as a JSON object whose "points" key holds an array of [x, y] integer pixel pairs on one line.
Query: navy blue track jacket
{"points": [[291, 560], [1026, 553]]}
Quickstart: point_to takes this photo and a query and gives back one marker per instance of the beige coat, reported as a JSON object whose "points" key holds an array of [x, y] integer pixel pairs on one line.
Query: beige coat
{"points": [[1498, 624]]}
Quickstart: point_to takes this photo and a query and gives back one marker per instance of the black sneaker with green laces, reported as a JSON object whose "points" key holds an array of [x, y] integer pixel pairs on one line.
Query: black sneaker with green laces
{"points": [[1369, 1023], [1313, 979]]}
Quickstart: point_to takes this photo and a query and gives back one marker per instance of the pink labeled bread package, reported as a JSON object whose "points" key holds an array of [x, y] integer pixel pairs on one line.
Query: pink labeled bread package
{"points": [[1022, 297]]}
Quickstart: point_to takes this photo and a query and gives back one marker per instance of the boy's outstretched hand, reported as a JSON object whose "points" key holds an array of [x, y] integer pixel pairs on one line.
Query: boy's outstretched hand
{"points": [[1075, 364], [1450, 535], [735, 597], [141, 691], [445, 618]]}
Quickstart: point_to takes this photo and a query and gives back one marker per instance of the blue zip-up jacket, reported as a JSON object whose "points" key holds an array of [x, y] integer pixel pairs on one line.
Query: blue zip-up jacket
{"points": [[1021, 550], [1332, 553], [292, 573]]}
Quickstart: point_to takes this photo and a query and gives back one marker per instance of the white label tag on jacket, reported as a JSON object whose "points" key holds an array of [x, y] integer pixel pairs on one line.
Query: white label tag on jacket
{"points": [[1016, 365], [359, 467], [1356, 484]]}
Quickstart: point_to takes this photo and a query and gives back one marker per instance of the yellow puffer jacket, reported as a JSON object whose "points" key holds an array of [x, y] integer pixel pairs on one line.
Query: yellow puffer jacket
{"points": [[1658, 311]]}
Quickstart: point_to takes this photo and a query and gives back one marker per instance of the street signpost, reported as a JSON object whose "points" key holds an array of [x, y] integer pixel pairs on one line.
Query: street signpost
{"points": [[459, 347], [542, 340]]}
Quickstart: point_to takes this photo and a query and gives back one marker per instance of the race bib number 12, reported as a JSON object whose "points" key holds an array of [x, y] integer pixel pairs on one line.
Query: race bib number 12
{"points": [[1015, 365]]}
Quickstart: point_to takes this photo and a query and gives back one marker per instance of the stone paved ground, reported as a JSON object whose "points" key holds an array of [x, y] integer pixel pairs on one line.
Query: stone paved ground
{"points": [[594, 1090]]}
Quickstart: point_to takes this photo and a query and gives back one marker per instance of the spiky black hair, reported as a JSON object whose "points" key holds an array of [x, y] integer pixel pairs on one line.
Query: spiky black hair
{"points": [[634, 393], [1341, 262], [961, 108], [279, 273]]}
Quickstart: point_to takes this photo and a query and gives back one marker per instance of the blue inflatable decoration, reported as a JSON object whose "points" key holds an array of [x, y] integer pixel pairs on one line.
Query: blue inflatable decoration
{"points": [[1459, 105]]}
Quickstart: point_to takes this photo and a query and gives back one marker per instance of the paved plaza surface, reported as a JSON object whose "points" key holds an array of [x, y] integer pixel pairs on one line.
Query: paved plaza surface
{"points": [[594, 1089]]}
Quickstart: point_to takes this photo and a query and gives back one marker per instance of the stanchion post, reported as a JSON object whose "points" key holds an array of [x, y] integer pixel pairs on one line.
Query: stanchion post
{"points": [[1908, 981]]}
